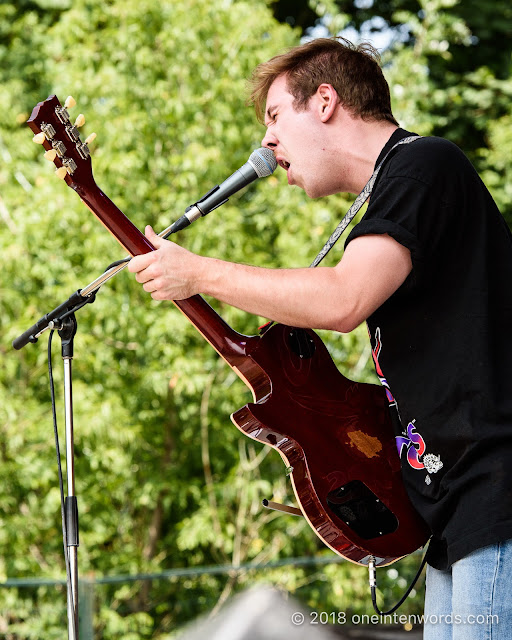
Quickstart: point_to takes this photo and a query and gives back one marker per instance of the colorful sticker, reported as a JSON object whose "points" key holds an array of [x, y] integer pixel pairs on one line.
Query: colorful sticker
{"points": [[411, 441]]}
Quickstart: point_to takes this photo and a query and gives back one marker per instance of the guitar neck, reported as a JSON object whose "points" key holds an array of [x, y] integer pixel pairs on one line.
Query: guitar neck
{"points": [[229, 344]]}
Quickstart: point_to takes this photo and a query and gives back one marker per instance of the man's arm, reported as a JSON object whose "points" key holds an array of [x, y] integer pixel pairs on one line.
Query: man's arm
{"points": [[337, 298]]}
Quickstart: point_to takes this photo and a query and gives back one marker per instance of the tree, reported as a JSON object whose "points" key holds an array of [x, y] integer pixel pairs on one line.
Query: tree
{"points": [[163, 478]]}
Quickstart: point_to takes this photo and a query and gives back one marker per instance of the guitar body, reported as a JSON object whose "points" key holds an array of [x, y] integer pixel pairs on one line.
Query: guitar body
{"points": [[335, 435]]}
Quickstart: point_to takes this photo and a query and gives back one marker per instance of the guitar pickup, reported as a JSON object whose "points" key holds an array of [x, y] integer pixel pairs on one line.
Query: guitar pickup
{"points": [[283, 508]]}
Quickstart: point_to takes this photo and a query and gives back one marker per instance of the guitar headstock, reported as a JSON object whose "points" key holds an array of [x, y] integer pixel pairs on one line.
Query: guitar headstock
{"points": [[53, 128]]}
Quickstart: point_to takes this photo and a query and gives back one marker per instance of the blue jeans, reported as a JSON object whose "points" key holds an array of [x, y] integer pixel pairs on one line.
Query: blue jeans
{"points": [[473, 599]]}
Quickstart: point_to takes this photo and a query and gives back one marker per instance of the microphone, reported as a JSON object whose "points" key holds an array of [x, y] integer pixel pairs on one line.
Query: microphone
{"points": [[261, 164]]}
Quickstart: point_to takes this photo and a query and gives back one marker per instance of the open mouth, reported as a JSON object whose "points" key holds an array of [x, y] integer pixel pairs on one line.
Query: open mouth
{"points": [[284, 164]]}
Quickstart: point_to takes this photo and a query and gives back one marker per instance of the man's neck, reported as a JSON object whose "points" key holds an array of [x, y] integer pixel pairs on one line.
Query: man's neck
{"points": [[355, 145], [366, 143]]}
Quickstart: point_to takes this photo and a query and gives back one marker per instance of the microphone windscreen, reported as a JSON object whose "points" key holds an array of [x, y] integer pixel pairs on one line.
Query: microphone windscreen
{"points": [[263, 162]]}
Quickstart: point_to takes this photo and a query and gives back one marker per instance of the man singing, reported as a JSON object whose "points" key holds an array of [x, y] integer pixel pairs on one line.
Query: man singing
{"points": [[429, 268]]}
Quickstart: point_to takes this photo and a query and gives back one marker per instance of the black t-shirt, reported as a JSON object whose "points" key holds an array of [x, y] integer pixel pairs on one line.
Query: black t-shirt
{"points": [[442, 343]]}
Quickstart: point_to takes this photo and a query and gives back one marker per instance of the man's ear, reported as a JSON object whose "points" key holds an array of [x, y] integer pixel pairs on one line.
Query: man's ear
{"points": [[327, 101]]}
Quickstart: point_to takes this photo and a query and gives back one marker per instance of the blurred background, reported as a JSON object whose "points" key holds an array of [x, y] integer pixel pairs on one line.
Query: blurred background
{"points": [[171, 524]]}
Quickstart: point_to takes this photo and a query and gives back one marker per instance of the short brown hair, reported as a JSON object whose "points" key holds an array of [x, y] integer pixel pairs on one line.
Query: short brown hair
{"points": [[353, 70]]}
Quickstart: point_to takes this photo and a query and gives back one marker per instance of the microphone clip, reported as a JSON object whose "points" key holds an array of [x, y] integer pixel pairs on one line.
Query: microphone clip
{"points": [[194, 211], [205, 197]]}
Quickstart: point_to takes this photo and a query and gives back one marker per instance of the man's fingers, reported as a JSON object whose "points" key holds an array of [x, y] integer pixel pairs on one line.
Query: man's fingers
{"points": [[144, 276], [141, 262], [155, 239], [138, 263], [149, 286]]}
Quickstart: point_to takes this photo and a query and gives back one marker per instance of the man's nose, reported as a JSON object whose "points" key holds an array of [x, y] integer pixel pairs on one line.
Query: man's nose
{"points": [[269, 141]]}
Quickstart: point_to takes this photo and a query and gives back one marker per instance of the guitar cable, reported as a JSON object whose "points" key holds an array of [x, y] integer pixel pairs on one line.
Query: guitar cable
{"points": [[372, 574]]}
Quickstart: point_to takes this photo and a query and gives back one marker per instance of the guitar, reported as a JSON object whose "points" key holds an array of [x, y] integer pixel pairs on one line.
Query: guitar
{"points": [[334, 435]]}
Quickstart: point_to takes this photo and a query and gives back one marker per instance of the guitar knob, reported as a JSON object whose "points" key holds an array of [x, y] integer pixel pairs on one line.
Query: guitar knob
{"points": [[70, 102], [80, 121], [61, 172], [90, 138], [50, 155], [39, 138]]}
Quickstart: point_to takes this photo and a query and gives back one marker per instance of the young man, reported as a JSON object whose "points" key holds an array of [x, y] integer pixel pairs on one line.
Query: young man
{"points": [[429, 268]]}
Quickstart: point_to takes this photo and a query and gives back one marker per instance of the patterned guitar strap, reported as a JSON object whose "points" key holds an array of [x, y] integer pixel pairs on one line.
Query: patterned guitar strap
{"points": [[357, 204]]}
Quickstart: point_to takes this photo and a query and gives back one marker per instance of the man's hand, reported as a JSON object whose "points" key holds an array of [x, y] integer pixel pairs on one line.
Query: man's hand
{"points": [[337, 298], [170, 272]]}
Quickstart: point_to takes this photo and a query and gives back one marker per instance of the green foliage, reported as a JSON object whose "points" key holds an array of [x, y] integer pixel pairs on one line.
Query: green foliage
{"points": [[163, 478], [459, 89]]}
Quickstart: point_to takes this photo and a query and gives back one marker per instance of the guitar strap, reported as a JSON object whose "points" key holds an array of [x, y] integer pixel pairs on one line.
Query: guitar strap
{"points": [[357, 204]]}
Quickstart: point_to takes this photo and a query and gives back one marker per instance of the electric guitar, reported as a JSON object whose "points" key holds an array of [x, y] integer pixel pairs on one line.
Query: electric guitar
{"points": [[334, 435]]}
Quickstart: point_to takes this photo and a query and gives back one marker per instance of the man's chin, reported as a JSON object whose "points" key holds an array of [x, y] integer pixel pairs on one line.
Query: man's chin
{"points": [[309, 190], [313, 193]]}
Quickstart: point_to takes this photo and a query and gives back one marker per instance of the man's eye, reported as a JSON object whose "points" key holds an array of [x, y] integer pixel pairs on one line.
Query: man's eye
{"points": [[271, 119]]}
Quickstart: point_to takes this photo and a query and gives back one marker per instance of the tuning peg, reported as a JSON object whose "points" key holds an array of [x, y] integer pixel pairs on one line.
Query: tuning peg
{"points": [[61, 172], [39, 138], [70, 102], [80, 121], [90, 138], [50, 155]]}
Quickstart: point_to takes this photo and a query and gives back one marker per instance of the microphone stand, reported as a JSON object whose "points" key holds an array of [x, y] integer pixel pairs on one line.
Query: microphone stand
{"points": [[77, 300], [67, 334], [63, 319]]}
